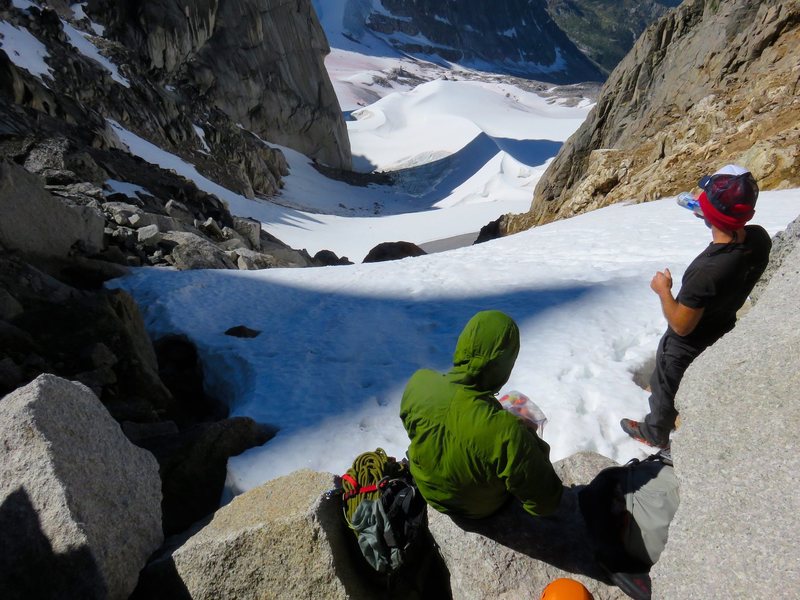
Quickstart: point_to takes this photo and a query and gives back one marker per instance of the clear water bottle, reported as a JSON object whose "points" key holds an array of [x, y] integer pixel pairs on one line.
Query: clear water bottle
{"points": [[687, 200]]}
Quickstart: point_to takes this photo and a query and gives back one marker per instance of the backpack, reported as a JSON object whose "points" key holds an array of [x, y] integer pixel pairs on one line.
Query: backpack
{"points": [[383, 507], [627, 511]]}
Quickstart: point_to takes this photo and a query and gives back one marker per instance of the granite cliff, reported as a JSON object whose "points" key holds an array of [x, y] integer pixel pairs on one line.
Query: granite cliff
{"points": [[260, 63], [208, 84], [714, 81]]}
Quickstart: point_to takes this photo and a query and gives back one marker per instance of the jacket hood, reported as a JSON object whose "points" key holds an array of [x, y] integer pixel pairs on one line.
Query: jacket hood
{"points": [[486, 351]]}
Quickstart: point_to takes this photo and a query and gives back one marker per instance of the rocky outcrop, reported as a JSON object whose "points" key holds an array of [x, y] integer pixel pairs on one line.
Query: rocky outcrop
{"points": [[514, 555], [91, 79], [206, 86], [79, 504], [34, 222], [260, 63], [736, 457], [159, 219], [280, 540], [714, 81], [55, 318], [96, 337], [515, 36], [783, 244], [284, 539]]}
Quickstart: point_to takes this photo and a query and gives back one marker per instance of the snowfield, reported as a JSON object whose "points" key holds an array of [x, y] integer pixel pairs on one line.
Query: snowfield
{"points": [[338, 343]]}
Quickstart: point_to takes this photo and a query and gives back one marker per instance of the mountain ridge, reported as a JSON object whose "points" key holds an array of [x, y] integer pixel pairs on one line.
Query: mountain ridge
{"points": [[516, 37], [606, 30], [711, 82]]}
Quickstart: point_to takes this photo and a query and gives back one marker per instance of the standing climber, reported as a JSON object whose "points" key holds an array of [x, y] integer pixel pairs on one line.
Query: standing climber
{"points": [[714, 287], [468, 455]]}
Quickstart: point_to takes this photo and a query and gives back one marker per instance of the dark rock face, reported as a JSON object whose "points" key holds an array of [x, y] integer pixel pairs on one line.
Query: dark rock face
{"points": [[181, 371], [194, 82], [260, 63], [81, 92], [514, 36], [393, 251], [193, 462], [710, 83], [96, 337]]}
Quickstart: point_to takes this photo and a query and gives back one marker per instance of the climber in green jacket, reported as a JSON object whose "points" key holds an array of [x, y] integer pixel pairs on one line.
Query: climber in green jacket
{"points": [[468, 455]]}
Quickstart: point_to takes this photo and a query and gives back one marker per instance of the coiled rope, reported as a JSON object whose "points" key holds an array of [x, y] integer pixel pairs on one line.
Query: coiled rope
{"points": [[362, 481]]}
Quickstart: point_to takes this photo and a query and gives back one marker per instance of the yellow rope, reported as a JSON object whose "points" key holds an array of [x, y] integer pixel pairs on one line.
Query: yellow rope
{"points": [[368, 469]]}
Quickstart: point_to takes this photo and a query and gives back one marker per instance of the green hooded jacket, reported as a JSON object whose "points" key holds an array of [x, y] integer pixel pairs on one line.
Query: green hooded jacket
{"points": [[468, 455]]}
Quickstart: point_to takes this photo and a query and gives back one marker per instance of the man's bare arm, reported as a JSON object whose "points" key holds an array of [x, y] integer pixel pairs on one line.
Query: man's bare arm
{"points": [[680, 318]]}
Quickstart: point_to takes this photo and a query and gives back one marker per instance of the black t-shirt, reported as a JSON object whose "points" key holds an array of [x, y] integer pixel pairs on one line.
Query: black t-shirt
{"points": [[719, 281]]}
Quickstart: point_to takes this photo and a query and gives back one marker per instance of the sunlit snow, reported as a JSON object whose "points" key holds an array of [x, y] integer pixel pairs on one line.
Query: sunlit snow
{"points": [[338, 343], [24, 50], [81, 42]]}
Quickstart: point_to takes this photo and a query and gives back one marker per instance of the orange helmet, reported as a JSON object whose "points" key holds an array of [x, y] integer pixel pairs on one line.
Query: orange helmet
{"points": [[566, 589]]}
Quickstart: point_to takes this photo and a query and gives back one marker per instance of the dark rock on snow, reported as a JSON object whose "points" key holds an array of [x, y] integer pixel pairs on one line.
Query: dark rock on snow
{"points": [[490, 231], [242, 331], [328, 258], [393, 251]]}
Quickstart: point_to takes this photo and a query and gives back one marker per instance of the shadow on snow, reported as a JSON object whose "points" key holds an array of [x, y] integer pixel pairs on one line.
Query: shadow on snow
{"points": [[319, 352]]}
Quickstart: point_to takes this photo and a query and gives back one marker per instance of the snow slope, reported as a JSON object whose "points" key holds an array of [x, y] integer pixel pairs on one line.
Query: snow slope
{"points": [[338, 343]]}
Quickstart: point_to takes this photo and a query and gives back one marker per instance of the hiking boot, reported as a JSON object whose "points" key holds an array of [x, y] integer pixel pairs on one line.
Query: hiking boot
{"points": [[633, 429]]}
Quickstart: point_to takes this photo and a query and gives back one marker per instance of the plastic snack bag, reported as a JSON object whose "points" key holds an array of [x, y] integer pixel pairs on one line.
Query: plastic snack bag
{"points": [[519, 404]]}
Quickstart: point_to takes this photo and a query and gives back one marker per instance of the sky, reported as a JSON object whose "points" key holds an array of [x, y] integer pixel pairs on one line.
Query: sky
{"points": [[337, 344]]}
